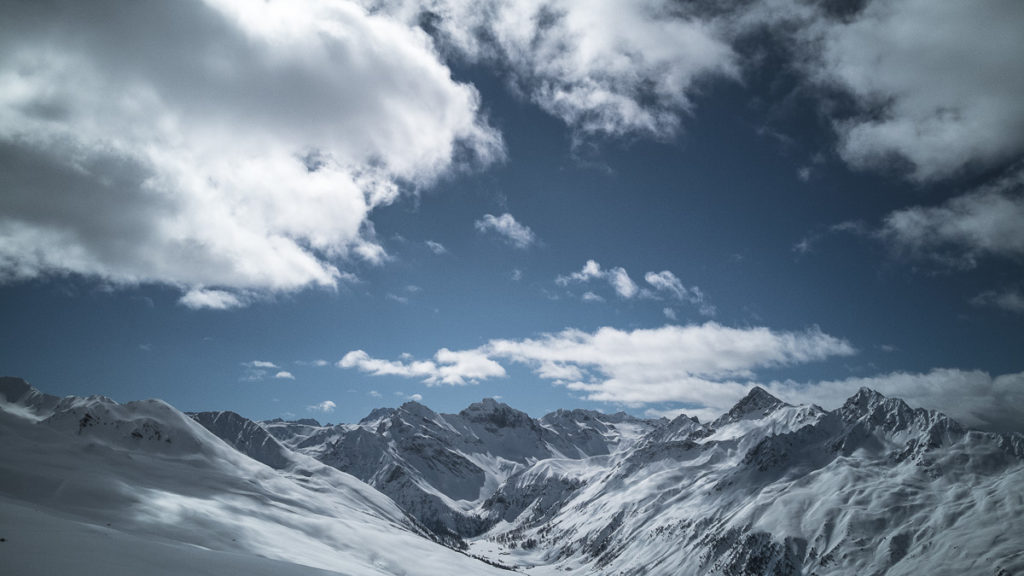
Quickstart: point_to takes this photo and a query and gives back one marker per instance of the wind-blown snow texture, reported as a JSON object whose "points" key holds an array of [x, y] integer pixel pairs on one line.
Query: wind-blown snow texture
{"points": [[874, 487]]}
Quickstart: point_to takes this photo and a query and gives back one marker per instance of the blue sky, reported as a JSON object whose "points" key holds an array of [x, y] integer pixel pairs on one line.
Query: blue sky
{"points": [[318, 208]]}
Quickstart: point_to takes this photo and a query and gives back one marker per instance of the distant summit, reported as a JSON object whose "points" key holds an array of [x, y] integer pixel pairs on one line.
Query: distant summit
{"points": [[756, 404]]}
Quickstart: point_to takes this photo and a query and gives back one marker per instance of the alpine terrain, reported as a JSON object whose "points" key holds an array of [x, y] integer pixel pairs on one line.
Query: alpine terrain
{"points": [[90, 486]]}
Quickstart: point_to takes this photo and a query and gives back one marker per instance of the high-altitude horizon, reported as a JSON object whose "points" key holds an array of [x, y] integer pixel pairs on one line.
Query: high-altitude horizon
{"points": [[769, 487], [314, 208]]}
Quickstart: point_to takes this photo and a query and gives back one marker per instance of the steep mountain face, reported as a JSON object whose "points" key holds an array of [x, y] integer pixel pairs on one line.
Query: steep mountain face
{"points": [[873, 487], [246, 436], [444, 469]]}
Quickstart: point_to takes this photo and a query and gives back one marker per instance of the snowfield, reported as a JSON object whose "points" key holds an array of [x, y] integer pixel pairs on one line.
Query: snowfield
{"points": [[90, 486]]}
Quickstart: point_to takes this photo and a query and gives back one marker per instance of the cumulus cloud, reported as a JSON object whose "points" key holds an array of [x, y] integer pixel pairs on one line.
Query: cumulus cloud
{"points": [[939, 86], [243, 152], [415, 398], [508, 228], [284, 375], [617, 277], [325, 407], [972, 397], [699, 364], [198, 298], [604, 67], [669, 283], [663, 283], [985, 222], [706, 365], [447, 367]]}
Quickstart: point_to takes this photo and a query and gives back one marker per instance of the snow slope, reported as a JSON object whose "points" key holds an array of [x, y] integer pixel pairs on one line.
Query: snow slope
{"points": [[874, 487], [141, 488], [445, 469]]}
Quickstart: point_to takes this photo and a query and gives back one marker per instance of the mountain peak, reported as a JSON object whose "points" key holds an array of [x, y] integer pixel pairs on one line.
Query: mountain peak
{"points": [[757, 399], [13, 388], [498, 413], [757, 402]]}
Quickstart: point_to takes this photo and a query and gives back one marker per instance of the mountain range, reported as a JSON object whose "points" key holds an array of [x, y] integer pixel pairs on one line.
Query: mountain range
{"points": [[91, 486]]}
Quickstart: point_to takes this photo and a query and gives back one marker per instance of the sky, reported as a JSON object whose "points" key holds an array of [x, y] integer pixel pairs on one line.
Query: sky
{"points": [[312, 208]]}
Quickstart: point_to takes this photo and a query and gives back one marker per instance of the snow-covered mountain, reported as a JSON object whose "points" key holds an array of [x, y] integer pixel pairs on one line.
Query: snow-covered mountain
{"points": [[444, 469], [89, 486], [873, 487]]}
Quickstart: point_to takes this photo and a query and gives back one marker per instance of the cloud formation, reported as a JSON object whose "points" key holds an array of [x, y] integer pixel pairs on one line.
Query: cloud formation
{"points": [[508, 228], [669, 283], [972, 397], [257, 370], [447, 367], [604, 67], [939, 86], [243, 152], [1010, 299], [706, 365], [325, 407], [617, 277], [986, 222], [436, 247], [663, 283]]}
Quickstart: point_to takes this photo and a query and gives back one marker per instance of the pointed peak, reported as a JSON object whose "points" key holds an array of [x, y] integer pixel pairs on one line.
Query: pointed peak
{"points": [[758, 401], [12, 389], [377, 414], [863, 399], [416, 409]]}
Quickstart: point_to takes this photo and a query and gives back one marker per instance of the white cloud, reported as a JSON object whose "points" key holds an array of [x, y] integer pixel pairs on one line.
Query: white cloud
{"points": [[415, 398], [436, 247], [325, 407], [602, 66], [617, 277], [622, 283], [243, 153], [1011, 300], [986, 222], [666, 281], [940, 85], [257, 370], [284, 375], [972, 397], [669, 313], [374, 394], [198, 298], [448, 367], [506, 226], [698, 364]]}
